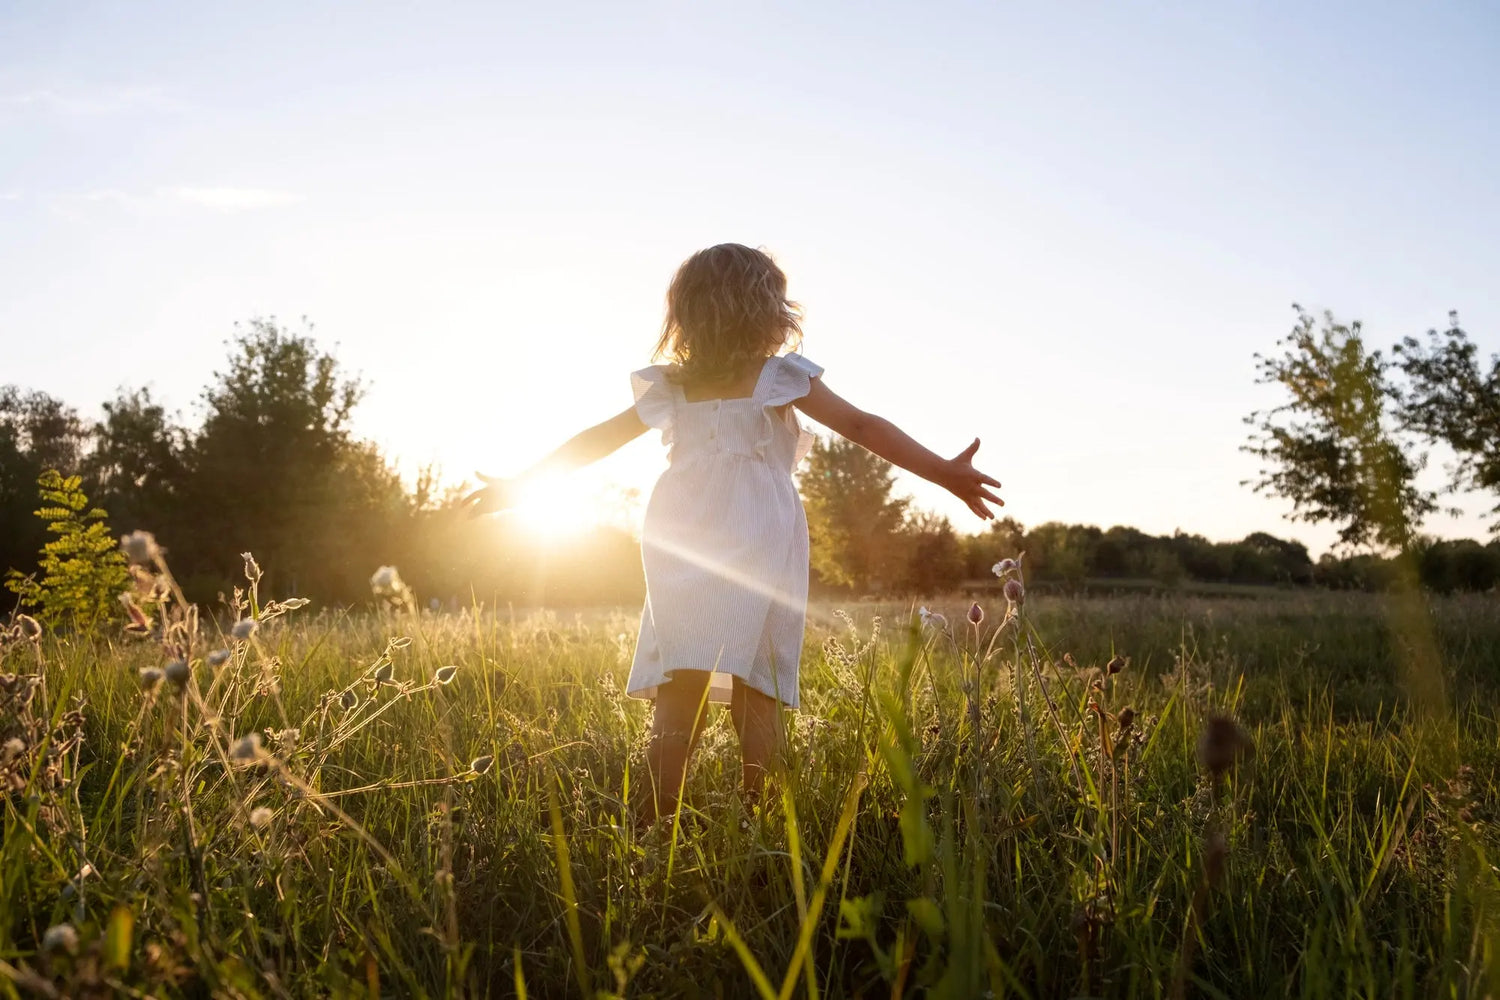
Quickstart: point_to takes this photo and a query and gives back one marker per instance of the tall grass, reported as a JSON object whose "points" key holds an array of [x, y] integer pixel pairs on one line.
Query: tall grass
{"points": [[963, 812]]}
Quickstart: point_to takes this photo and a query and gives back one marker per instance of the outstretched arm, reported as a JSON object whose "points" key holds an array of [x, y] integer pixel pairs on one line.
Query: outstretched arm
{"points": [[583, 448], [957, 475]]}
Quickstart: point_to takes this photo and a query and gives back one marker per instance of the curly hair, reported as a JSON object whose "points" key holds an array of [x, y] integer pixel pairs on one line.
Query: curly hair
{"points": [[726, 311]]}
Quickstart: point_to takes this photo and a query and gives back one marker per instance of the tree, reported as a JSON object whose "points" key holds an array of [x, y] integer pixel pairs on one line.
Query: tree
{"points": [[932, 556], [275, 471], [136, 464], [37, 432], [83, 572], [1448, 399], [852, 519], [1330, 449]]}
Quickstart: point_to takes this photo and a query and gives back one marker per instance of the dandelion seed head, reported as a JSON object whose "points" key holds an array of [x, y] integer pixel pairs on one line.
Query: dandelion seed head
{"points": [[177, 672], [150, 677], [140, 548], [247, 748], [60, 937], [244, 628], [260, 817]]}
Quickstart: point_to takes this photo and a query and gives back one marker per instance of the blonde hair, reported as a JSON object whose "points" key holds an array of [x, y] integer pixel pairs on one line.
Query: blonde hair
{"points": [[726, 310]]}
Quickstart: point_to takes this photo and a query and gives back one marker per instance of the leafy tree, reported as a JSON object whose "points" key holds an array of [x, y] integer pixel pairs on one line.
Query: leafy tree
{"points": [[275, 471], [852, 519], [1448, 398], [137, 462], [37, 432], [1329, 449], [83, 571], [933, 558]]}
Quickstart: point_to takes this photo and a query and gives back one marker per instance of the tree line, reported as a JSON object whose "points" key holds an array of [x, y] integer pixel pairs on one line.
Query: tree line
{"points": [[275, 468]]}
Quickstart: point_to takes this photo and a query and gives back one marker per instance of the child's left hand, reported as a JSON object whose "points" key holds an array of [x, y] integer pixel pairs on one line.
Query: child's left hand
{"points": [[496, 494]]}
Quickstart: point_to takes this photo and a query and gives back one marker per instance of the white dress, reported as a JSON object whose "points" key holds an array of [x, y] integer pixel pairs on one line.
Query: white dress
{"points": [[725, 537]]}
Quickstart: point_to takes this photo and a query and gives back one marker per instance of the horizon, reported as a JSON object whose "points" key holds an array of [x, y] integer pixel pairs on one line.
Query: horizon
{"points": [[482, 208]]}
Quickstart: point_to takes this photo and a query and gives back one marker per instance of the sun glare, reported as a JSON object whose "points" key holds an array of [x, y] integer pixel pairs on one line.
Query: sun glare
{"points": [[556, 509]]}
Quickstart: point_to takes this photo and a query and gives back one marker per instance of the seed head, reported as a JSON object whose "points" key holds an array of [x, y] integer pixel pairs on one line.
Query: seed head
{"points": [[931, 619], [13, 748], [150, 677], [384, 673], [444, 675], [60, 937], [1115, 665], [140, 548], [247, 748], [244, 628], [260, 817], [976, 614], [1015, 593], [1222, 744], [28, 627], [479, 765], [178, 673], [218, 658], [348, 700]]}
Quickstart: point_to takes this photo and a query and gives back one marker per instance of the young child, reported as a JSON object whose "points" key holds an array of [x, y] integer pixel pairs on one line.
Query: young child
{"points": [[725, 538]]}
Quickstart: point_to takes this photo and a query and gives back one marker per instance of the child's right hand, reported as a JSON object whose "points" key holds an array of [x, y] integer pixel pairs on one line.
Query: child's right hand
{"points": [[496, 494], [968, 484]]}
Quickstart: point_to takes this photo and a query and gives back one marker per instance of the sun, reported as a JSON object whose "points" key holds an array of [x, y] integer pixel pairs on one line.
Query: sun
{"points": [[555, 509]]}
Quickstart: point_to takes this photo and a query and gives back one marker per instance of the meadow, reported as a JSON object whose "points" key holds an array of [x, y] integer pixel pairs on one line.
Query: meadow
{"points": [[1160, 796]]}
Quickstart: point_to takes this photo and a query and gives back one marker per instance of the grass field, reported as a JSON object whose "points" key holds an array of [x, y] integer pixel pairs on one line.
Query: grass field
{"points": [[949, 824]]}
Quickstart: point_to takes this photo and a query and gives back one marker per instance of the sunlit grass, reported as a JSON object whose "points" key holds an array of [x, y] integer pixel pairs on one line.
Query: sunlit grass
{"points": [[432, 838]]}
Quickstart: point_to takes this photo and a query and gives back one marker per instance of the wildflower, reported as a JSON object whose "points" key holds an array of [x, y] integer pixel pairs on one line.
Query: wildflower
{"points": [[444, 675], [384, 673], [260, 817], [1015, 593], [177, 672], [479, 765], [140, 548], [976, 614], [28, 628], [931, 619], [150, 677], [386, 580], [60, 937], [348, 700], [1003, 567], [1222, 744], [247, 748], [218, 658], [244, 628]]}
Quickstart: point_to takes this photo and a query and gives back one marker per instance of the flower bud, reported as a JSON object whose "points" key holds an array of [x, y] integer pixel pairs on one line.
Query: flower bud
{"points": [[1015, 593], [348, 700], [976, 614], [1115, 665], [444, 675], [178, 673]]}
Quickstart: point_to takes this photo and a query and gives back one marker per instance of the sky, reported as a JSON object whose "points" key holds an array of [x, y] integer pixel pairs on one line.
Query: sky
{"points": [[1065, 229]]}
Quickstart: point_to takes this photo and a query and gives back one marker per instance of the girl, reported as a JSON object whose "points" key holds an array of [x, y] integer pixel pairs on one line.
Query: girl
{"points": [[725, 538]]}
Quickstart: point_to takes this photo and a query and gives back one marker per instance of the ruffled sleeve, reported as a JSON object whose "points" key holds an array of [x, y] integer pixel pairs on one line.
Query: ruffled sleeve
{"points": [[791, 380], [653, 399]]}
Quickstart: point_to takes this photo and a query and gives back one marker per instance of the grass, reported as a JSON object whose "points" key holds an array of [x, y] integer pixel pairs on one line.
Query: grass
{"points": [[951, 823]]}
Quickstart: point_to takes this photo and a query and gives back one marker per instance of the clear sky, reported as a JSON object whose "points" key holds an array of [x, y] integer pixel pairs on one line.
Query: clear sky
{"points": [[1063, 228]]}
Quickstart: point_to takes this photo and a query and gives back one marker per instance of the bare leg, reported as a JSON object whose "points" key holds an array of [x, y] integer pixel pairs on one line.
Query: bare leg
{"points": [[680, 709], [757, 720]]}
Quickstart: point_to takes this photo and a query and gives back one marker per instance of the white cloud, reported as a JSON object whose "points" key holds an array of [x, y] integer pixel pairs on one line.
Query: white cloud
{"points": [[101, 101], [233, 199]]}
